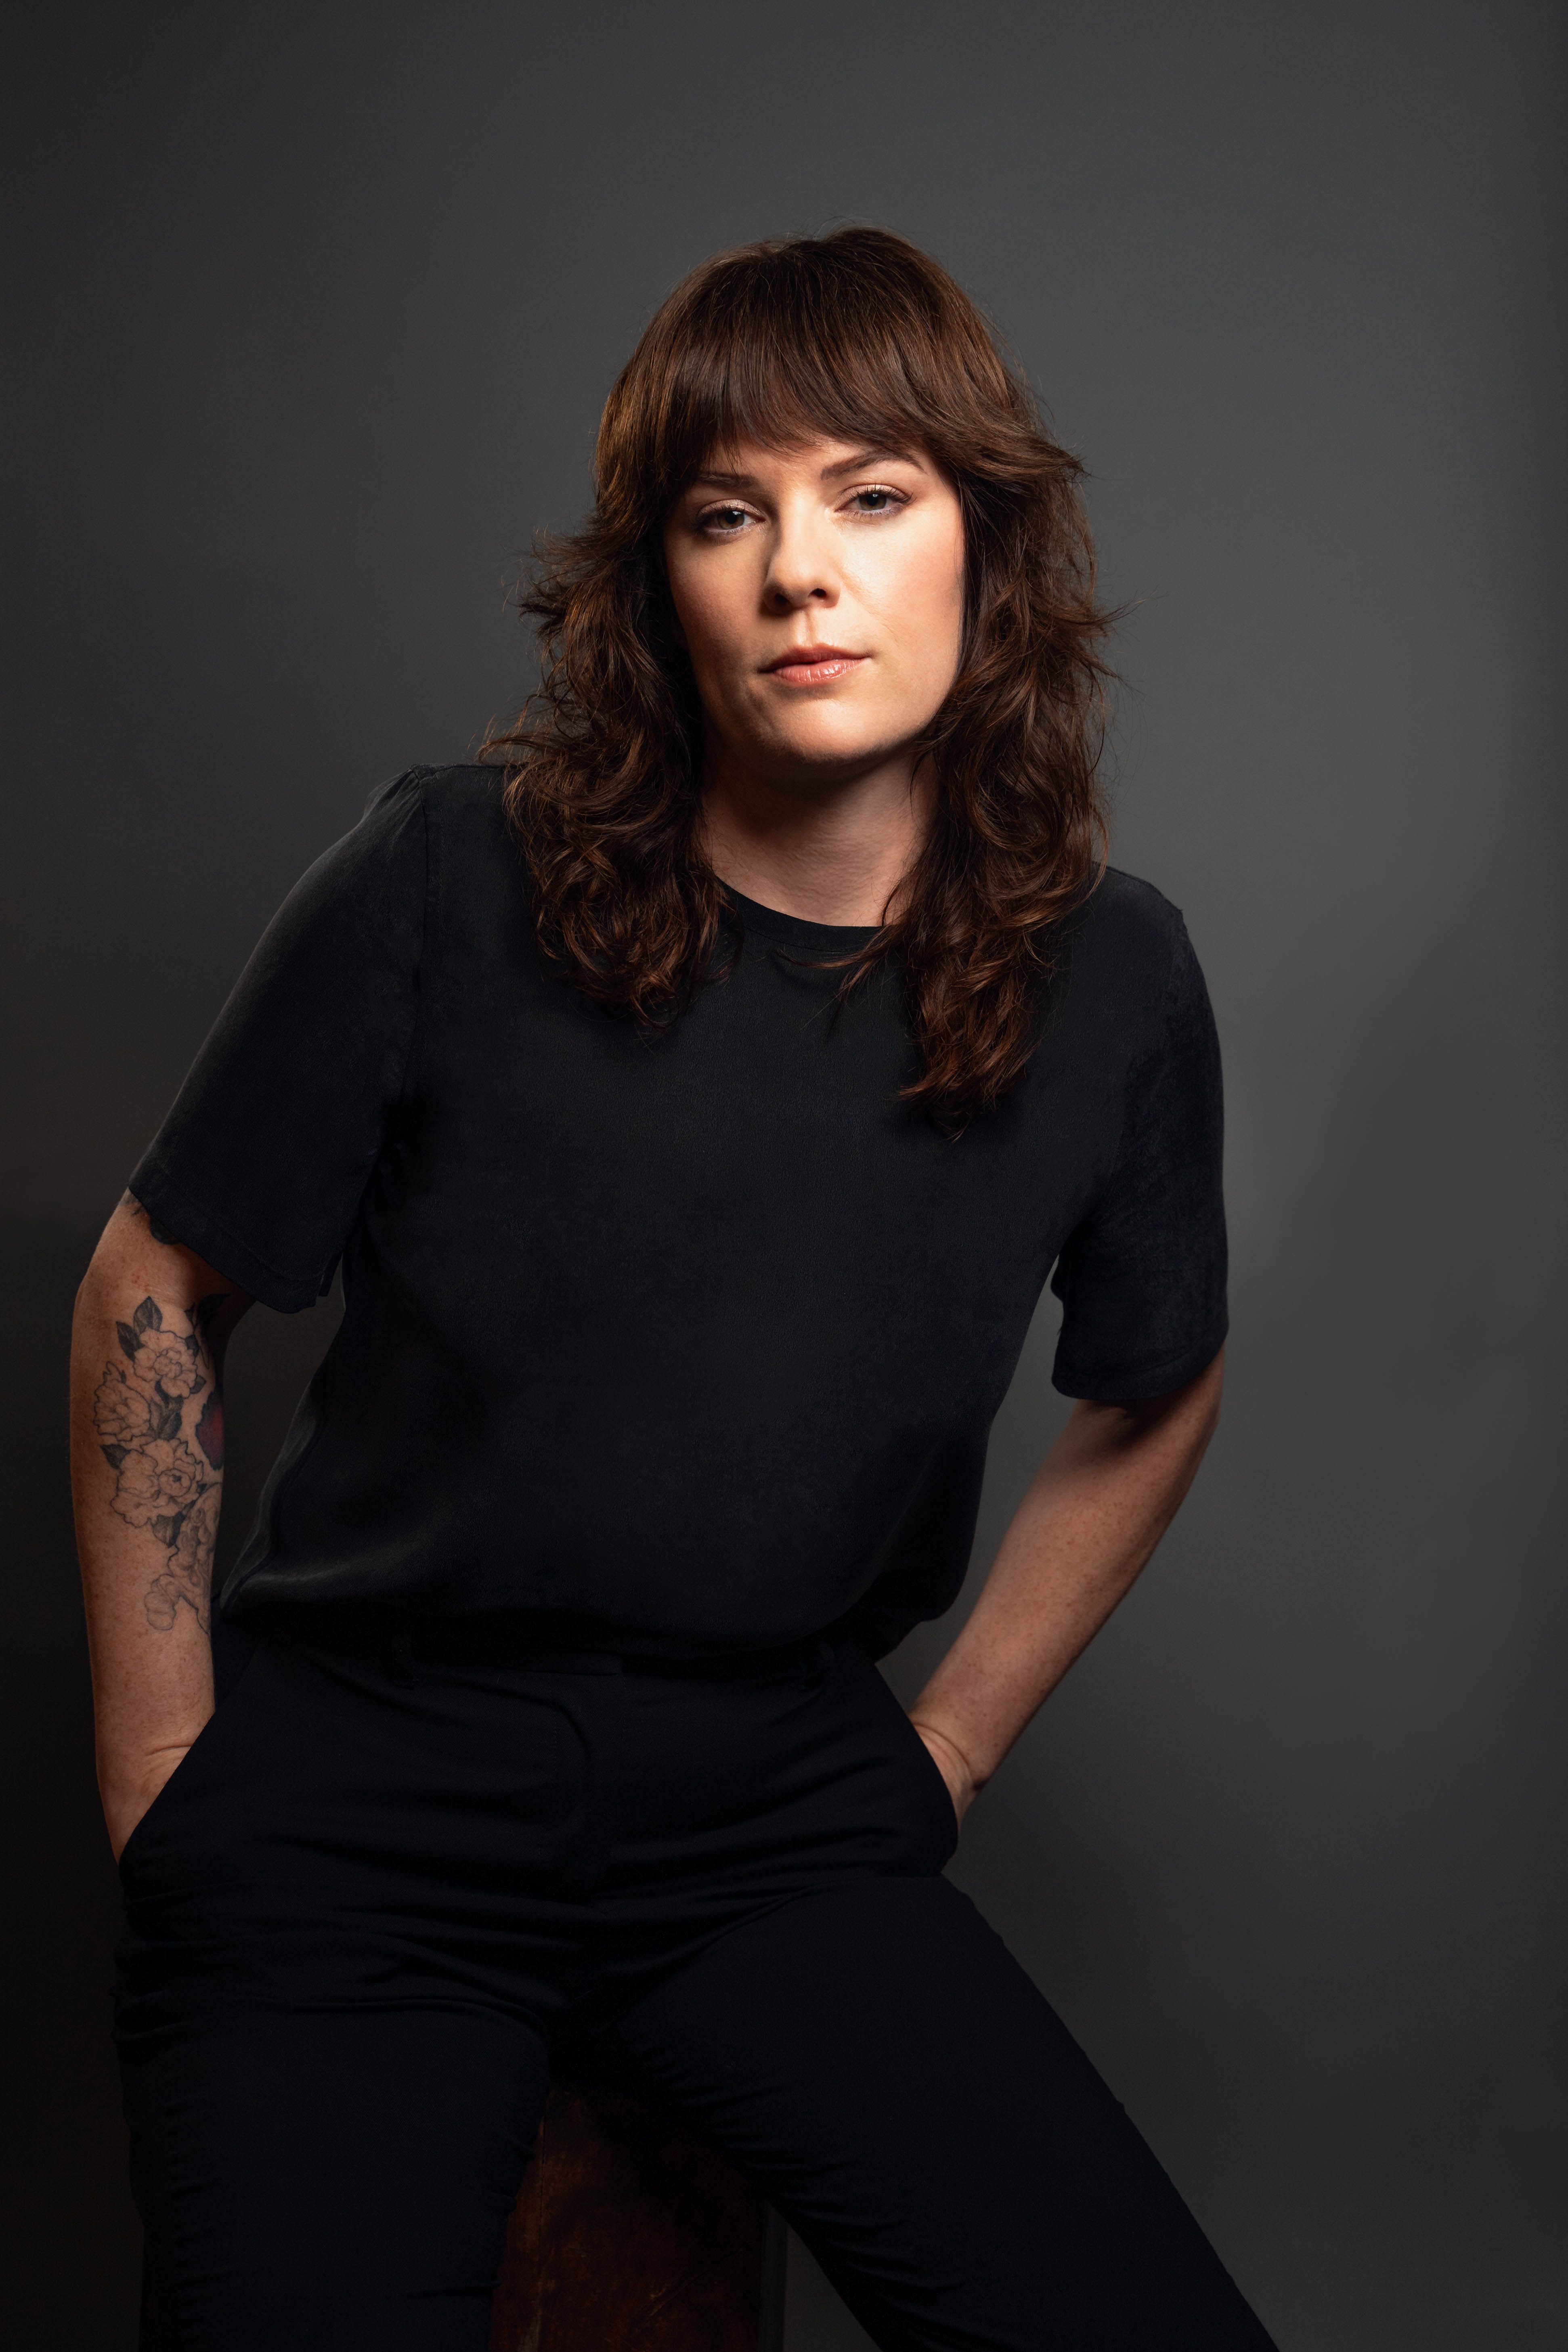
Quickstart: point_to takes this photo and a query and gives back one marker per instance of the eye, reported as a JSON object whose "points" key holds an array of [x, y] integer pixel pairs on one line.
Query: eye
{"points": [[876, 499], [723, 523]]}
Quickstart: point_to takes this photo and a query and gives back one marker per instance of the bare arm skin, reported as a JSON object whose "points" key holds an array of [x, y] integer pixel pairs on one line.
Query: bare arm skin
{"points": [[152, 1321], [1103, 1498]]}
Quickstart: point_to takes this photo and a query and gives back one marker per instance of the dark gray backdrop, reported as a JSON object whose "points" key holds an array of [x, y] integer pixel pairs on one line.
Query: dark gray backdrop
{"points": [[316, 308]]}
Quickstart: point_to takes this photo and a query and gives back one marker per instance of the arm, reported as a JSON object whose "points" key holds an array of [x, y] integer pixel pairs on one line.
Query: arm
{"points": [[147, 1340], [1103, 1498]]}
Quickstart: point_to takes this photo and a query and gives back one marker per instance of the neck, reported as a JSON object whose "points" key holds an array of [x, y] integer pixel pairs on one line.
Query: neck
{"points": [[829, 853]]}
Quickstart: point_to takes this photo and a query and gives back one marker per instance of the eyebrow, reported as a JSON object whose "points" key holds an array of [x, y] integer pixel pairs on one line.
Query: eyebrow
{"points": [[864, 457], [711, 478]]}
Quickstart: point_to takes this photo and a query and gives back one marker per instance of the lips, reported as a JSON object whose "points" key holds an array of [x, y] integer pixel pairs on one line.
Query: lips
{"points": [[814, 665]]}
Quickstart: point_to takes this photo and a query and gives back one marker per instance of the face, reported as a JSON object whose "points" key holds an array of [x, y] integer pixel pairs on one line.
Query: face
{"points": [[820, 593]]}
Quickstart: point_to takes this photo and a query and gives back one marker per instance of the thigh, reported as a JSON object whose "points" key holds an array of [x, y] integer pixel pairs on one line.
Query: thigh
{"points": [[334, 1985], [322, 2180], [893, 2082]]}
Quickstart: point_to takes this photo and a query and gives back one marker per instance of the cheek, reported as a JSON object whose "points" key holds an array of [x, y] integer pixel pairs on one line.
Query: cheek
{"points": [[710, 602], [918, 590], [955, 584], [947, 603]]}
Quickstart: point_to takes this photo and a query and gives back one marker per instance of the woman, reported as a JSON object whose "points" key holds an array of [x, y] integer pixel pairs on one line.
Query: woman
{"points": [[698, 1095]]}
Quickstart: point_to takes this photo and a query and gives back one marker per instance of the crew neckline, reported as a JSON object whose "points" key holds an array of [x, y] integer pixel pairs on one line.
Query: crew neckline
{"points": [[795, 930]]}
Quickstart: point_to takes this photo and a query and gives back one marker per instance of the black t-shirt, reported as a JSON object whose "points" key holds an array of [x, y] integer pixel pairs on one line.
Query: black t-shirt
{"points": [[682, 1341]]}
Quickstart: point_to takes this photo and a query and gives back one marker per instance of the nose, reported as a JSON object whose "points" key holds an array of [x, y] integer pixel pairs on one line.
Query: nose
{"points": [[800, 567]]}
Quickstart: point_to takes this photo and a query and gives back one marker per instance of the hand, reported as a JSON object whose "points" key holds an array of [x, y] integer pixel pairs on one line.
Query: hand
{"points": [[948, 1759], [126, 1795]]}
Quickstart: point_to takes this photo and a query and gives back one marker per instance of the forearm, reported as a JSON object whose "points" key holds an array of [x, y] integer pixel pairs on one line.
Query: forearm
{"points": [[147, 1483], [1089, 1523]]}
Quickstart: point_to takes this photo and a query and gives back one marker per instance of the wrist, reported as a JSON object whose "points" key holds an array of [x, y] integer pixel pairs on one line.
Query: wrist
{"points": [[963, 1783], [127, 1787], [133, 1775]]}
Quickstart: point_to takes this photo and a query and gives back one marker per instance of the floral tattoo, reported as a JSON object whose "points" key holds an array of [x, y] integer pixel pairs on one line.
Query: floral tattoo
{"points": [[161, 1482]]}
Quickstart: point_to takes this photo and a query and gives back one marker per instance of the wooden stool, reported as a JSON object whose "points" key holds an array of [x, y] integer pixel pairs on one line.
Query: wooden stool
{"points": [[629, 2235]]}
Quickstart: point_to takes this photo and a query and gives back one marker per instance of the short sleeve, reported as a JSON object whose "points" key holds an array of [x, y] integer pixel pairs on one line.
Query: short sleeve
{"points": [[1142, 1278], [261, 1164]]}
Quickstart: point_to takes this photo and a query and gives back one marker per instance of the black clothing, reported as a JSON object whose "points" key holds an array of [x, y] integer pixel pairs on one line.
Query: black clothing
{"points": [[660, 1399], [403, 1862], [682, 1343]]}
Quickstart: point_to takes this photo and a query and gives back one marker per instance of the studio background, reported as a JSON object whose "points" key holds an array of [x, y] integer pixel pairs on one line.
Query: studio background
{"points": [[314, 309]]}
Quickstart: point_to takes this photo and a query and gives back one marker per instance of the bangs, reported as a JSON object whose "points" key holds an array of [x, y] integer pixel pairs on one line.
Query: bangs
{"points": [[779, 372], [855, 337]]}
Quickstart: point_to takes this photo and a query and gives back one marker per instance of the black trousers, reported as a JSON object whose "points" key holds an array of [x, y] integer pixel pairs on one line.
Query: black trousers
{"points": [[394, 1876]]}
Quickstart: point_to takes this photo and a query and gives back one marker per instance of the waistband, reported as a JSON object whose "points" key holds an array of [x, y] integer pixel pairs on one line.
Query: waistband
{"points": [[403, 1638]]}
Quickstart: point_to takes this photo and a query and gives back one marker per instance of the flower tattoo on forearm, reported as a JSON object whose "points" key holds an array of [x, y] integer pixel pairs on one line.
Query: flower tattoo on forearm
{"points": [[165, 1480]]}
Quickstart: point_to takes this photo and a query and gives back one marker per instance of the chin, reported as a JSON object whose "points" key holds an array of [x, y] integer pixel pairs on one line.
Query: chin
{"points": [[831, 745]]}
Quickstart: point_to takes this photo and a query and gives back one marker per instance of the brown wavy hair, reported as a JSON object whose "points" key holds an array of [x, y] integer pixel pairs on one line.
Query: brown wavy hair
{"points": [[857, 336]]}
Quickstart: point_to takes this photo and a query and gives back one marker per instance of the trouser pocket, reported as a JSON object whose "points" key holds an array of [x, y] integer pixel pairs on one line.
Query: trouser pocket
{"points": [[204, 1772]]}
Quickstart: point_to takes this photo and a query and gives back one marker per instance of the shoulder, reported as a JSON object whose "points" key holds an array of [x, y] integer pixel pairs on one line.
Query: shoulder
{"points": [[1126, 979], [1128, 913], [469, 795], [418, 825], [457, 816], [1127, 936]]}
